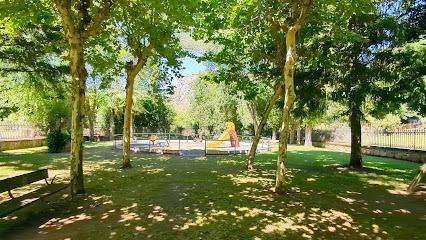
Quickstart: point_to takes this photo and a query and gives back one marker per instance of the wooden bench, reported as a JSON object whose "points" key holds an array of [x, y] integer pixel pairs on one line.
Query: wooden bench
{"points": [[16, 203]]}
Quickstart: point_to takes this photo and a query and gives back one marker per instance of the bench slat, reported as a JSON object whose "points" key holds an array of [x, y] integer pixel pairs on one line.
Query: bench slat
{"points": [[17, 203], [22, 180]]}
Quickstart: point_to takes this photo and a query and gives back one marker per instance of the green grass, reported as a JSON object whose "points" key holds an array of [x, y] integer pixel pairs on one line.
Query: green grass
{"points": [[169, 197]]}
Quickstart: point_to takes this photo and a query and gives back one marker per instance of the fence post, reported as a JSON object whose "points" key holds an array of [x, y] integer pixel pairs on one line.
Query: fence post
{"points": [[205, 147], [269, 145], [414, 147], [390, 140]]}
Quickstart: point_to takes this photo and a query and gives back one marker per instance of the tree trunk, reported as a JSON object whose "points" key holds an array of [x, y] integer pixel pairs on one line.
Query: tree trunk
{"points": [[79, 75], [77, 28], [355, 119], [111, 125], [299, 130], [132, 71], [308, 135], [278, 91], [92, 121], [132, 127], [127, 122], [417, 179], [253, 114], [291, 136], [289, 98], [274, 133]]}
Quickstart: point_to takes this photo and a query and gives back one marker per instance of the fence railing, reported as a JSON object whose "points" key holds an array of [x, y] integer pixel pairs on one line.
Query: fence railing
{"points": [[10, 131], [414, 139], [176, 136], [179, 142], [180, 136]]}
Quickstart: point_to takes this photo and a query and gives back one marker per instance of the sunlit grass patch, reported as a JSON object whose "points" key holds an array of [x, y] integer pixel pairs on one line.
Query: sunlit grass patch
{"points": [[171, 197]]}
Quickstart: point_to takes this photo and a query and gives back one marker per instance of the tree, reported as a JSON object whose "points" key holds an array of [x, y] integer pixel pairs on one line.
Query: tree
{"points": [[103, 81], [32, 48], [247, 53], [80, 20], [282, 21], [111, 105], [34, 86], [310, 81], [208, 105], [373, 68], [151, 89], [36, 100], [266, 30], [150, 34]]}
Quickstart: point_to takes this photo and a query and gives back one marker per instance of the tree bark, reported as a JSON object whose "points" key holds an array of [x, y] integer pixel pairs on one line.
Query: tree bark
{"points": [[92, 121], [132, 71], [289, 98], [291, 136], [111, 125], [132, 127], [308, 135], [77, 29], [253, 114], [355, 120], [127, 122], [277, 93], [299, 130], [417, 179], [79, 75], [274, 133]]}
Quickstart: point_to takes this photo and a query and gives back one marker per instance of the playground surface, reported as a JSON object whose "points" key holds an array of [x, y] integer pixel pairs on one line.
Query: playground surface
{"points": [[188, 147]]}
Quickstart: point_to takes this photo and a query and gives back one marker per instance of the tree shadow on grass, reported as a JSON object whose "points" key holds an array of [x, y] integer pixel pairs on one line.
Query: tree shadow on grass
{"points": [[169, 197]]}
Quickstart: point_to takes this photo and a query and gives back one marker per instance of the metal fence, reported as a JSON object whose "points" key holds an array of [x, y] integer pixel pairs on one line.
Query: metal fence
{"points": [[187, 137], [180, 144], [176, 136], [414, 139], [10, 131]]}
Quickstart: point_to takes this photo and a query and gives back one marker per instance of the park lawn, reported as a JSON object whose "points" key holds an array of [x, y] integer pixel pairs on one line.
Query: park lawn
{"points": [[170, 197]]}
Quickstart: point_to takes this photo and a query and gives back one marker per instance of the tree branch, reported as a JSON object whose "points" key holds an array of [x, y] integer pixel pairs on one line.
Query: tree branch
{"points": [[142, 59], [64, 10], [304, 7], [95, 25], [276, 25]]}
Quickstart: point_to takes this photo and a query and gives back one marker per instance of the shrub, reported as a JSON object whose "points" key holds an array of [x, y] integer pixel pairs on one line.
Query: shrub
{"points": [[56, 141]]}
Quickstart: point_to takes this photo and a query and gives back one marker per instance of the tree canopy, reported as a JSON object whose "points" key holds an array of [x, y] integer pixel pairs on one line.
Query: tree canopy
{"points": [[287, 59]]}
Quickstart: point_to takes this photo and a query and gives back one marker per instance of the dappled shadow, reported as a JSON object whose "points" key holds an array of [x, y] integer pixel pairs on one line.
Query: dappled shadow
{"points": [[170, 197]]}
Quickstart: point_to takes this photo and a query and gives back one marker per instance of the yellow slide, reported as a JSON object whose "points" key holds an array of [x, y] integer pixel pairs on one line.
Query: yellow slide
{"points": [[224, 136]]}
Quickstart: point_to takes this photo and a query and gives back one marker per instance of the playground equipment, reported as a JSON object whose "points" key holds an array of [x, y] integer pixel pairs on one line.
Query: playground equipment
{"points": [[199, 139], [163, 144], [228, 133], [152, 139]]}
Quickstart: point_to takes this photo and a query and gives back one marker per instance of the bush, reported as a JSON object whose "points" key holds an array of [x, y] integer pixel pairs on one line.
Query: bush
{"points": [[56, 141]]}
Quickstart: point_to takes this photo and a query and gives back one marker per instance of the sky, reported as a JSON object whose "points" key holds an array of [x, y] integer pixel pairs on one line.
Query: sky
{"points": [[191, 67]]}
